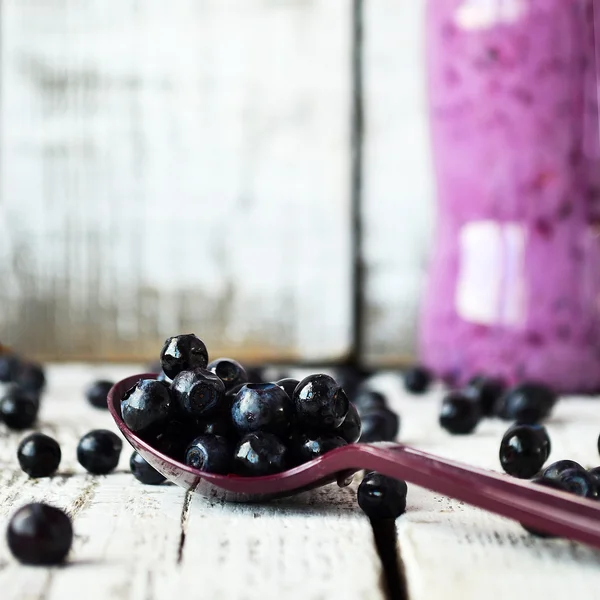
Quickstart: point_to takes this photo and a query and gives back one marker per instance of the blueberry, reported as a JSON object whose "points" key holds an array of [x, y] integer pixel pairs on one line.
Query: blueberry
{"points": [[288, 385], [19, 408], [554, 470], [351, 377], [198, 393], [255, 374], [143, 471], [524, 450], [321, 404], [579, 482], [146, 405], [459, 414], [367, 399], [30, 376], [528, 403], [162, 377], [258, 454], [304, 448], [350, 429], [417, 380], [382, 497], [183, 353], [9, 367], [486, 391], [174, 439], [210, 453], [379, 425], [98, 451], [39, 534], [229, 371], [39, 455], [595, 475], [551, 483], [219, 424], [97, 393], [262, 407]]}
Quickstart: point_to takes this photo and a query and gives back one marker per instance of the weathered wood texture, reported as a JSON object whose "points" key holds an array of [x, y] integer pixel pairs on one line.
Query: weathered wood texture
{"points": [[398, 185], [453, 551], [137, 542], [177, 168]]}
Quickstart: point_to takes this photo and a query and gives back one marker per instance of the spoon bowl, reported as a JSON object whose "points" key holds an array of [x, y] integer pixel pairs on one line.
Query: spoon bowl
{"points": [[538, 507]]}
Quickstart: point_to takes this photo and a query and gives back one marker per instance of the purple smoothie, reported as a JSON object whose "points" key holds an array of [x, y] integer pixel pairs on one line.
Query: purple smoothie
{"points": [[514, 286]]}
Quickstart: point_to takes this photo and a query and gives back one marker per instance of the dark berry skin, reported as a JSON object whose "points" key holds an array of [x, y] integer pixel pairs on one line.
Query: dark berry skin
{"points": [[486, 391], [183, 353], [39, 534], [459, 413], [97, 393], [367, 399], [288, 385], [259, 454], [143, 471], [255, 374], [30, 376], [262, 407], [198, 393], [39, 455], [551, 483], [9, 367], [321, 404], [579, 482], [554, 470], [219, 424], [528, 403], [350, 429], [303, 447], [162, 377], [350, 378], [382, 497], [417, 380], [229, 371], [210, 453], [145, 406], [98, 451], [595, 475], [174, 440], [524, 450], [19, 409], [379, 425]]}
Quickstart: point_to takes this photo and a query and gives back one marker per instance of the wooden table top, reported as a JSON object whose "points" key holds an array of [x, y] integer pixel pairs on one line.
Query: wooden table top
{"points": [[140, 542]]}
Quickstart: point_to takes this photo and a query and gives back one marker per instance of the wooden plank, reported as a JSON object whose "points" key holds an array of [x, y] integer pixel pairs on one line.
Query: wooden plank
{"points": [[397, 179], [172, 170], [129, 542], [451, 550]]}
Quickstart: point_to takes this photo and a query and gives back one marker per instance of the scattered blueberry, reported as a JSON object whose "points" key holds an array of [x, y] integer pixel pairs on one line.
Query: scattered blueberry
{"points": [[210, 453], [551, 483], [459, 414], [379, 425], [146, 405], [304, 448], [579, 482], [351, 377], [528, 403], [39, 534], [97, 393], [258, 454], [350, 429], [183, 353], [198, 393], [98, 451], [320, 403], [9, 367], [524, 450], [262, 407], [382, 497], [39, 455], [229, 371], [30, 376], [486, 391], [367, 399], [417, 380], [595, 475], [19, 408], [554, 470], [143, 471], [288, 385]]}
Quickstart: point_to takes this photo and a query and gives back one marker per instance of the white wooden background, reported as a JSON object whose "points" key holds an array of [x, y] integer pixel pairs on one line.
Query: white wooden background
{"points": [[188, 167]]}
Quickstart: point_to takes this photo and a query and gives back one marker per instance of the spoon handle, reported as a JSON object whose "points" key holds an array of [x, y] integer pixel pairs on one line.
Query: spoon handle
{"points": [[541, 508]]}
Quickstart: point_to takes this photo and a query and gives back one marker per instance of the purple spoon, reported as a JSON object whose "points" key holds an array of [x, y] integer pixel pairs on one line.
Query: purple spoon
{"points": [[538, 507]]}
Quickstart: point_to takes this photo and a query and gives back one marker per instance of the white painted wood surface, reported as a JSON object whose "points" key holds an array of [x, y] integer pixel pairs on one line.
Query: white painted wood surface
{"points": [[453, 551], [175, 168], [398, 186], [128, 542]]}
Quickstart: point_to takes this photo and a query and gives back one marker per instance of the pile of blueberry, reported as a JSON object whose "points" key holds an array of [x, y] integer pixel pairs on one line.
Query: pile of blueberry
{"points": [[208, 415]]}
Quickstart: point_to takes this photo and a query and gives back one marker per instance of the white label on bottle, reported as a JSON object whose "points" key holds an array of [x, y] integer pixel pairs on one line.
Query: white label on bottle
{"points": [[490, 289], [483, 14]]}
